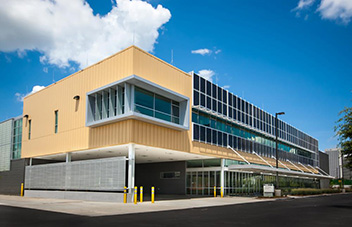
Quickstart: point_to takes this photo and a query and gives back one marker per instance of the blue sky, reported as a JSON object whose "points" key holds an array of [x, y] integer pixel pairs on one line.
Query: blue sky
{"points": [[280, 56]]}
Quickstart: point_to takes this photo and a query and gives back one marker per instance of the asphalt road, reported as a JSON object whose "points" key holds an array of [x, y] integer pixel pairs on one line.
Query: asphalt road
{"points": [[334, 210]]}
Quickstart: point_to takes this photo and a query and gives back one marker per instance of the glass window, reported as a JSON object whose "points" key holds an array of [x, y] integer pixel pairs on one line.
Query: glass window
{"points": [[219, 94], [224, 109], [208, 88], [195, 98], [29, 129], [143, 110], [214, 91], [208, 102], [208, 135], [196, 81], [144, 98], [56, 120], [162, 104], [162, 116], [196, 132], [202, 133], [202, 85], [214, 137], [175, 111], [214, 105], [224, 96], [202, 100]]}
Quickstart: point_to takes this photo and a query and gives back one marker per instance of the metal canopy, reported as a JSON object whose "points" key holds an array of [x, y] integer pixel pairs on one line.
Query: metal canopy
{"points": [[266, 169]]}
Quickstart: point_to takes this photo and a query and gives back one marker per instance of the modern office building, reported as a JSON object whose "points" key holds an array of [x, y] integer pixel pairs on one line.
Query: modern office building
{"points": [[135, 120], [11, 164], [336, 164]]}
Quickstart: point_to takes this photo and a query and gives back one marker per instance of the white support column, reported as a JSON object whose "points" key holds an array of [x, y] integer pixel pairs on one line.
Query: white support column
{"points": [[30, 161], [68, 157], [222, 175], [131, 167]]}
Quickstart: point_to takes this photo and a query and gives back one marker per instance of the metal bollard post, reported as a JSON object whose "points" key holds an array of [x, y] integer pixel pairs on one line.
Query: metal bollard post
{"points": [[141, 194], [125, 195], [222, 192], [152, 194], [21, 189], [214, 191], [135, 195]]}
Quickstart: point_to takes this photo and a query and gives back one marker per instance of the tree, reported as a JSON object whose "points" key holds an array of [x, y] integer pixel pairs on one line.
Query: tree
{"points": [[343, 130]]}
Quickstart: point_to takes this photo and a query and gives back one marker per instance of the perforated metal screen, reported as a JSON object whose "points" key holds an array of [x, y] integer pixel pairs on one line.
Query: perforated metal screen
{"points": [[97, 175]]}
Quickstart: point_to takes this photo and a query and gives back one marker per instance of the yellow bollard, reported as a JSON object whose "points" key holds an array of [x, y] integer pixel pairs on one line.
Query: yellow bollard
{"points": [[141, 194], [125, 195], [214, 191], [135, 195], [152, 194], [21, 189], [222, 192]]}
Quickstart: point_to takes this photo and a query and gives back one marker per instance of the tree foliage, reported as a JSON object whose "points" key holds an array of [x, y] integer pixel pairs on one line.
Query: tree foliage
{"points": [[343, 130]]}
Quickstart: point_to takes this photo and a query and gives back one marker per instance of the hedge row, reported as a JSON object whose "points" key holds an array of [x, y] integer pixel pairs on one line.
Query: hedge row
{"points": [[312, 191]]}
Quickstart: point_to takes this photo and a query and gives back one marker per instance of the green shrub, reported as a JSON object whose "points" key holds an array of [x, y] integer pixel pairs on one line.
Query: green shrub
{"points": [[312, 191]]}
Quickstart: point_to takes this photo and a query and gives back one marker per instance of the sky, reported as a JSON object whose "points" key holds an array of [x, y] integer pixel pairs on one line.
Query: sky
{"points": [[293, 56]]}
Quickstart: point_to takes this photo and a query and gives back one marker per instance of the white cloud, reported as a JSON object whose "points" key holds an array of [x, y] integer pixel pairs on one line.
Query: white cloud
{"points": [[303, 4], [35, 89], [67, 30], [206, 74], [226, 86], [203, 52], [45, 69], [336, 9], [217, 51], [329, 9]]}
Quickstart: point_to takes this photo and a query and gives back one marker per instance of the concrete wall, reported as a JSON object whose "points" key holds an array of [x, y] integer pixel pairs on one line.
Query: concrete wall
{"points": [[148, 175], [324, 165], [10, 181]]}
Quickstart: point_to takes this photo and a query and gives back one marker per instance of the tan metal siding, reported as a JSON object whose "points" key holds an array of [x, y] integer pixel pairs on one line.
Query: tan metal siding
{"points": [[72, 133]]}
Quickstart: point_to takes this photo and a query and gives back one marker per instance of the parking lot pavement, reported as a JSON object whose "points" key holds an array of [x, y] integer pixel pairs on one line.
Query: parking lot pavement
{"points": [[87, 208], [332, 210]]}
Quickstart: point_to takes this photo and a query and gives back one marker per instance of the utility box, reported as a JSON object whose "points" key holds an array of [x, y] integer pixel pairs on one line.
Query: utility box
{"points": [[268, 190]]}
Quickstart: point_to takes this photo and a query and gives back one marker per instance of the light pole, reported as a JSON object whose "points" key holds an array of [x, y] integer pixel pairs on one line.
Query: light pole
{"points": [[277, 145]]}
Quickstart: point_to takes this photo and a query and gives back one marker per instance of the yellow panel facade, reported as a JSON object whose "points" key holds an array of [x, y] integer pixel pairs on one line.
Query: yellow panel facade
{"points": [[73, 135]]}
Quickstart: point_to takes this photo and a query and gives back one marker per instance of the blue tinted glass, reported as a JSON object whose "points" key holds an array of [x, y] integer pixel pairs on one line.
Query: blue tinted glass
{"points": [[144, 98], [142, 110], [162, 116], [162, 104]]}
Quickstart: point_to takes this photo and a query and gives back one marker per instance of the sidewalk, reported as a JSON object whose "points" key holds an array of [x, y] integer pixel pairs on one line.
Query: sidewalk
{"points": [[87, 208]]}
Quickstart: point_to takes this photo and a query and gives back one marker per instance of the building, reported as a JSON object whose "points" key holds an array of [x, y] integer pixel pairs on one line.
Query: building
{"points": [[135, 120], [11, 164], [324, 167], [336, 164]]}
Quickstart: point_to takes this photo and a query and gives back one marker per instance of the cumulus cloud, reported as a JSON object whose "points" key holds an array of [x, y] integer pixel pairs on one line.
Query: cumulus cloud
{"points": [[226, 86], [336, 9], [330, 9], [67, 31], [35, 89], [201, 51], [206, 74]]}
